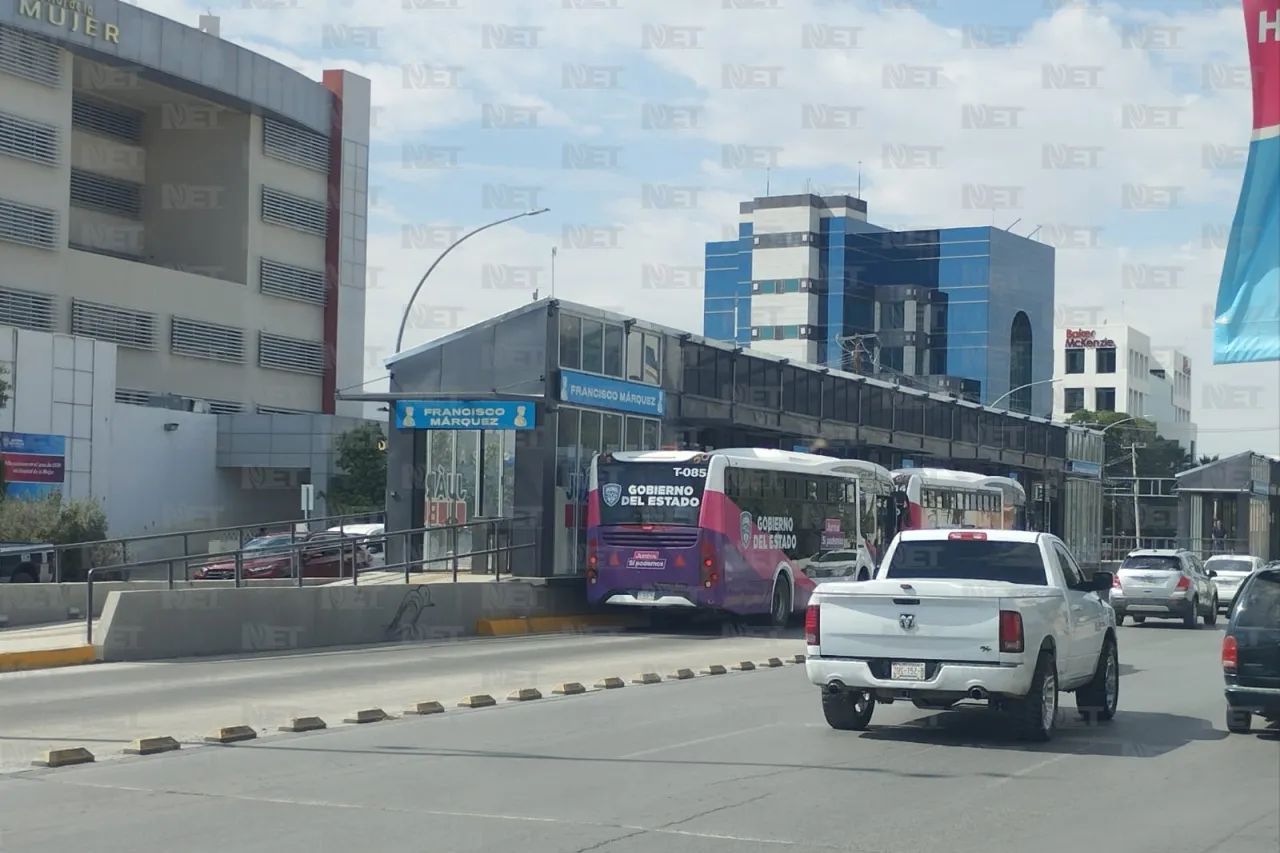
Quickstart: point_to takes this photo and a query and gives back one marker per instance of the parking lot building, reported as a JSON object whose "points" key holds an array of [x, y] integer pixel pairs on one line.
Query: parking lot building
{"points": [[597, 381]]}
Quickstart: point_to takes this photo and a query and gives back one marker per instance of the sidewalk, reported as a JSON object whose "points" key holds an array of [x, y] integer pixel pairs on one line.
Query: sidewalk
{"points": [[45, 647]]}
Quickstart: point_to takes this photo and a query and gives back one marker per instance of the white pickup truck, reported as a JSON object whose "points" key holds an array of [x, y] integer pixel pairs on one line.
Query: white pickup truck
{"points": [[1002, 616]]}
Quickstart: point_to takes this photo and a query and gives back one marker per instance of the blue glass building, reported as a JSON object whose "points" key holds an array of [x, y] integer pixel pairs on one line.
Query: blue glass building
{"points": [[965, 310]]}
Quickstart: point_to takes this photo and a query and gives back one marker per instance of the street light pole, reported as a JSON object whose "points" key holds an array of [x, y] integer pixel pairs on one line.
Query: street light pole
{"points": [[404, 321], [1013, 391]]}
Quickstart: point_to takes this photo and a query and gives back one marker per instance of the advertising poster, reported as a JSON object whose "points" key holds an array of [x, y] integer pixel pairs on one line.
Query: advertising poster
{"points": [[32, 464]]}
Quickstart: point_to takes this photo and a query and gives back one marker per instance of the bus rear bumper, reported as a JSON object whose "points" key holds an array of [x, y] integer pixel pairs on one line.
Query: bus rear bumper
{"points": [[625, 599]]}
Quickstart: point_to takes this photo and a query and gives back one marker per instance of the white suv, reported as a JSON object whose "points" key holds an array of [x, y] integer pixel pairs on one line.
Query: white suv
{"points": [[1164, 584]]}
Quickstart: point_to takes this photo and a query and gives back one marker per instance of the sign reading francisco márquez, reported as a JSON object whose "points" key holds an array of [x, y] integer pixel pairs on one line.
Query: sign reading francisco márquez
{"points": [[72, 15]]}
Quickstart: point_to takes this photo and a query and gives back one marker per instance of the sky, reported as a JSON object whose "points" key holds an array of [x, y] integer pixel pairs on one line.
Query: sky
{"points": [[1118, 131]]}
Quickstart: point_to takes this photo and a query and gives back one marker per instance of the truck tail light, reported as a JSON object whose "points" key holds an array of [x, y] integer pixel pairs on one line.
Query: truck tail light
{"points": [[1230, 653], [968, 534], [1184, 582], [1011, 637], [812, 626]]}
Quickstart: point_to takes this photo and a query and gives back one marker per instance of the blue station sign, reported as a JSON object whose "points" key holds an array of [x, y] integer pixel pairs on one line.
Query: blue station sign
{"points": [[585, 389], [464, 414]]}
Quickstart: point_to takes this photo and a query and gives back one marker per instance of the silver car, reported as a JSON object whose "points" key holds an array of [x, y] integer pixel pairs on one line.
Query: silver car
{"points": [[1164, 584], [1231, 570]]}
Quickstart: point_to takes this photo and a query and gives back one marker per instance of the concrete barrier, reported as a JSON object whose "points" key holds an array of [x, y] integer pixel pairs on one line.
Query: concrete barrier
{"points": [[139, 625], [25, 604], [46, 658]]}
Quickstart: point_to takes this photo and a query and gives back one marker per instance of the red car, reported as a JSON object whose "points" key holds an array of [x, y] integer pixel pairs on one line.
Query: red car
{"points": [[321, 555]]}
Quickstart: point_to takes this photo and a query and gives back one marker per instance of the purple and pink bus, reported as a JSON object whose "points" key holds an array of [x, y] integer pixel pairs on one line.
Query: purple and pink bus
{"points": [[747, 532]]}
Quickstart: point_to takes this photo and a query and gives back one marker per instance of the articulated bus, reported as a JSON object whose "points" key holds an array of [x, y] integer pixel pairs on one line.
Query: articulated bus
{"points": [[747, 532], [939, 499]]}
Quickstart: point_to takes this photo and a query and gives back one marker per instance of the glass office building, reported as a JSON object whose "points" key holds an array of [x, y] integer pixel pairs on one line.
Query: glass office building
{"points": [[967, 311]]}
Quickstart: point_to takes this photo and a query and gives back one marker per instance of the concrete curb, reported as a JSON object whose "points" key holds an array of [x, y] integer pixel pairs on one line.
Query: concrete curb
{"points": [[367, 715], [569, 688], [152, 745], [681, 675], [67, 756], [610, 683], [647, 678], [304, 724], [715, 669], [46, 658], [772, 663], [231, 734], [423, 709], [554, 625], [524, 694], [477, 700]]}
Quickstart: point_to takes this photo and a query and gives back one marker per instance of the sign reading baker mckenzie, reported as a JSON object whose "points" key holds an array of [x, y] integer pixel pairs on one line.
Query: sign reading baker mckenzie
{"points": [[72, 15]]}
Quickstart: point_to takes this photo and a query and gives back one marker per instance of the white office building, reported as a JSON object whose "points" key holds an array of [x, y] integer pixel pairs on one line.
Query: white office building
{"points": [[1114, 368]]}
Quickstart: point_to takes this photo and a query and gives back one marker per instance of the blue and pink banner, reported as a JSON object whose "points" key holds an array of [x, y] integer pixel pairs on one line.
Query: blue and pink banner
{"points": [[1247, 315], [33, 464]]}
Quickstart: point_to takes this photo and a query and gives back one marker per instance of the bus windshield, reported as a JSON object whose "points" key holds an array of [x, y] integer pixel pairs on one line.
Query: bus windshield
{"points": [[650, 493]]}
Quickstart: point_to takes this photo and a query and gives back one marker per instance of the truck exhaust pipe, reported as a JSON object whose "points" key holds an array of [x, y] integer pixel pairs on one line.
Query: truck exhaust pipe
{"points": [[978, 693], [835, 687]]}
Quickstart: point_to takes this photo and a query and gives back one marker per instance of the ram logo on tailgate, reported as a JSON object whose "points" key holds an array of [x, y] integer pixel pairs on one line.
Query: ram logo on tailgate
{"points": [[907, 621]]}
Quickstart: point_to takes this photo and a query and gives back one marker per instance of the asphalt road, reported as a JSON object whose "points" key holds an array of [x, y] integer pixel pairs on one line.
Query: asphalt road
{"points": [[105, 706], [740, 763]]}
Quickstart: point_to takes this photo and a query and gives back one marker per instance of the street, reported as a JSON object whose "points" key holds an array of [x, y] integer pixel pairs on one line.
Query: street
{"points": [[740, 762]]}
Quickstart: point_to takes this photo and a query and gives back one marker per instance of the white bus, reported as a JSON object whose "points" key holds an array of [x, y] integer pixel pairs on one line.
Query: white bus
{"points": [[939, 499]]}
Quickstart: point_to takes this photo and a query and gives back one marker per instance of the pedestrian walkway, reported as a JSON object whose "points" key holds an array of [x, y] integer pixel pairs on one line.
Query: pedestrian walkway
{"points": [[64, 635]]}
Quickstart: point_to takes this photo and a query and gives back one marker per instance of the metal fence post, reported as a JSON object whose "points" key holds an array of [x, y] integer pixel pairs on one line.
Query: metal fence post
{"points": [[453, 549], [355, 569], [239, 568], [88, 608], [405, 554]]}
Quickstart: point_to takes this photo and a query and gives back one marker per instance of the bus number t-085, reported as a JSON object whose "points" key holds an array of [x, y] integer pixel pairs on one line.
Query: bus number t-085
{"points": [[700, 473]]}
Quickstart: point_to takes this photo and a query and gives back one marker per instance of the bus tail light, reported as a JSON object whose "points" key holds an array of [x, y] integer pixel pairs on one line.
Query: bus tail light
{"points": [[591, 562], [708, 571]]}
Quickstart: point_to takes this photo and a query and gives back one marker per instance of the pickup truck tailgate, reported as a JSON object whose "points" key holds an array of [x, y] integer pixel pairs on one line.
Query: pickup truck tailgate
{"points": [[932, 621]]}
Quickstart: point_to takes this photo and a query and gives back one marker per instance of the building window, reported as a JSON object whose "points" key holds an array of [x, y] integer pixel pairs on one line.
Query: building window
{"points": [[197, 339], [28, 225], [108, 120], [893, 316], [570, 341], [294, 145], [1104, 400], [293, 354], [294, 211], [593, 346], [1072, 400], [91, 191], [121, 326], [644, 357], [614, 350], [290, 282], [1105, 360], [33, 141], [27, 310], [1075, 361], [30, 58]]}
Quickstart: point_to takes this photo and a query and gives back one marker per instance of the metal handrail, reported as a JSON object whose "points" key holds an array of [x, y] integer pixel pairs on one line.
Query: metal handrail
{"points": [[512, 525], [186, 535]]}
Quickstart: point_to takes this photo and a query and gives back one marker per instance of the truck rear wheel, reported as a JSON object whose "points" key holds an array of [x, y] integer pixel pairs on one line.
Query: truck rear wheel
{"points": [[1099, 699], [848, 710], [1036, 714]]}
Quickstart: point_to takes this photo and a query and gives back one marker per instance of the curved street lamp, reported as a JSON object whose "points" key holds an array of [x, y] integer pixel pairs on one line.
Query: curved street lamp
{"points": [[404, 321], [1013, 391]]}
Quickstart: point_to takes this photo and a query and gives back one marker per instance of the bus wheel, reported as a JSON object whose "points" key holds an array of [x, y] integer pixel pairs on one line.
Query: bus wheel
{"points": [[780, 613]]}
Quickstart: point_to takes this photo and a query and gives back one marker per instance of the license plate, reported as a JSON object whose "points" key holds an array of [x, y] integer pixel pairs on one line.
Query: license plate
{"points": [[647, 595], [906, 671]]}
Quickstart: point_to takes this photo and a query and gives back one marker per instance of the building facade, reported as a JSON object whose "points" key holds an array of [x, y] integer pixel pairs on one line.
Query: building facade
{"points": [[594, 381], [197, 205], [963, 311], [1114, 368]]}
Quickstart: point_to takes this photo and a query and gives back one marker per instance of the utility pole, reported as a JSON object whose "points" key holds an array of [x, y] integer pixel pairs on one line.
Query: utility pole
{"points": [[1137, 516]]}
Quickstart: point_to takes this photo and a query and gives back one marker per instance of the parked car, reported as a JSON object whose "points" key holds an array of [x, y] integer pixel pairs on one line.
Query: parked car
{"points": [[1164, 584], [1251, 652], [1001, 616], [372, 537], [1229, 572], [319, 554], [25, 562]]}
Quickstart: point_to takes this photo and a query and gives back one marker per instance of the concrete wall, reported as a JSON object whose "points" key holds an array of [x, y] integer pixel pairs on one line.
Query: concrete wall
{"points": [[27, 604], [202, 622]]}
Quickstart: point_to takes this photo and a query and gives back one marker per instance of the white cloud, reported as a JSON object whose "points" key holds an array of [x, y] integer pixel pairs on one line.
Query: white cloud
{"points": [[1149, 268]]}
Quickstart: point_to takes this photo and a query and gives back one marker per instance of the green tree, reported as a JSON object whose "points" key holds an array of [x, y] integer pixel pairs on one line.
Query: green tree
{"points": [[1160, 458], [1206, 459], [361, 457], [58, 521]]}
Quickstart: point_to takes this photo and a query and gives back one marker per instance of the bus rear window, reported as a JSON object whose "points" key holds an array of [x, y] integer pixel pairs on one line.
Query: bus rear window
{"points": [[650, 493], [968, 559]]}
